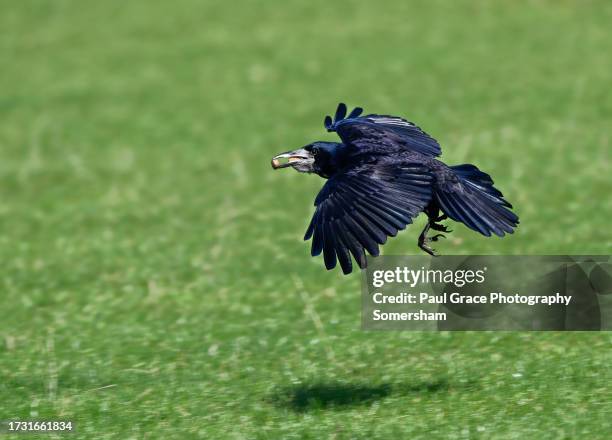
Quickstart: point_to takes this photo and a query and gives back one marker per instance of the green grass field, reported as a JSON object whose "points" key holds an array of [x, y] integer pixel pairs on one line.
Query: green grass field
{"points": [[154, 282]]}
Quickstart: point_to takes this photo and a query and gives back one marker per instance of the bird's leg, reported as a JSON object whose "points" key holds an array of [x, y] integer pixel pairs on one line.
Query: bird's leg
{"points": [[436, 237], [438, 227], [441, 228], [423, 239]]}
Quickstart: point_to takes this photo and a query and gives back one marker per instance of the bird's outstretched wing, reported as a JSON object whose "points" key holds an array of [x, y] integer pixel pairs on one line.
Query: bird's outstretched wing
{"points": [[387, 131], [358, 209]]}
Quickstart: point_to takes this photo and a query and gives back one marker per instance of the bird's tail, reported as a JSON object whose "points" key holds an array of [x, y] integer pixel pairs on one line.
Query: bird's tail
{"points": [[475, 202]]}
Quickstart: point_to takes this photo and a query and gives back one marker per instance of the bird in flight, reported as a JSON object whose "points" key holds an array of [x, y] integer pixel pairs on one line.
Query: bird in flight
{"points": [[381, 176]]}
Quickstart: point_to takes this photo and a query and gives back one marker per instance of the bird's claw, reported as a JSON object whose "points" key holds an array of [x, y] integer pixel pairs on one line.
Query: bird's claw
{"points": [[438, 227], [427, 249], [423, 239]]}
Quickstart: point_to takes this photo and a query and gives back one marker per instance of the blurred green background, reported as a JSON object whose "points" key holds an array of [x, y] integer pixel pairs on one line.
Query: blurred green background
{"points": [[153, 278]]}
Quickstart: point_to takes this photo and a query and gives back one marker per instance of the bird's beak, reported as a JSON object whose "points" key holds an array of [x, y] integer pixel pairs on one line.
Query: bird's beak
{"points": [[290, 158]]}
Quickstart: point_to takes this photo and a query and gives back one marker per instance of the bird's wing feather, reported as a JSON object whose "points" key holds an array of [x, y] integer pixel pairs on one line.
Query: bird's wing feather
{"points": [[469, 197], [390, 131], [358, 209]]}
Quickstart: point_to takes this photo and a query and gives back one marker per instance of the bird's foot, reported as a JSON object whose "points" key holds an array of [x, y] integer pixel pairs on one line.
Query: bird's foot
{"points": [[439, 227], [424, 239], [435, 237], [427, 249]]}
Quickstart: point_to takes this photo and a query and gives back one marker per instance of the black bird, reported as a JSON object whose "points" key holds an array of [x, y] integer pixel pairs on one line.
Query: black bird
{"points": [[379, 178]]}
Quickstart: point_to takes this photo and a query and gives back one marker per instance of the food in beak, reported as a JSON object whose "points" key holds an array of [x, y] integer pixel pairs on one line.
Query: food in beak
{"points": [[289, 158], [286, 160]]}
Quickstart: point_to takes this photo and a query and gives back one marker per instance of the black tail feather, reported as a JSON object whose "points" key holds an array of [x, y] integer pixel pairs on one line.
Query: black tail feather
{"points": [[475, 202]]}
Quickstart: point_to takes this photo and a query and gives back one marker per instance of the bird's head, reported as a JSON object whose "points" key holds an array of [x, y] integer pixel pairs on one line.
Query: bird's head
{"points": [[317, 157]]}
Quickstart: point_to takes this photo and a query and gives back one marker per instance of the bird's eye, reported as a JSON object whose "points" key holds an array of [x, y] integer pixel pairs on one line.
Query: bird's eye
{"points": [[315, 151]]}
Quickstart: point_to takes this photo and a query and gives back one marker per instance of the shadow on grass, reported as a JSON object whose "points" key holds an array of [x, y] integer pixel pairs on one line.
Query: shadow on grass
{"points": [[305, 397]]}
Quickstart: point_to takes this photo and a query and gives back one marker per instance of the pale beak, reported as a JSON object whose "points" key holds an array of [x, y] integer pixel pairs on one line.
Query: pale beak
{"points": [[287, 159]]}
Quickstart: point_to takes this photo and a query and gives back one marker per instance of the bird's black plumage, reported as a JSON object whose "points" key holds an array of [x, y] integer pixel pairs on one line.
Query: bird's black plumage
{"points": [[383, 175], [389, 133]]}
